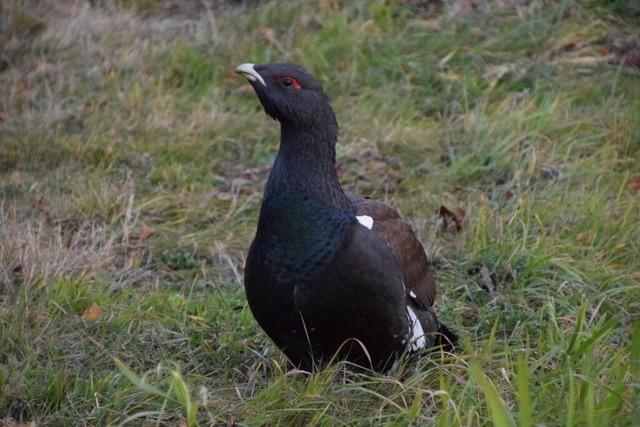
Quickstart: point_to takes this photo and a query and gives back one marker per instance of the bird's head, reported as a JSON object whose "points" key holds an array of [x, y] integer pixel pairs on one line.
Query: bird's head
{"points": [[290, 94]]}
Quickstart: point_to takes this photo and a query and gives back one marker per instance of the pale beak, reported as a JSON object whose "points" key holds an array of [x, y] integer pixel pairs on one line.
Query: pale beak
{"points": [[250, 73]]}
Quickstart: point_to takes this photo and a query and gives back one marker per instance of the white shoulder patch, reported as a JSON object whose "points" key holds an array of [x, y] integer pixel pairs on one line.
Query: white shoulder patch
{"points": [[365, 220], [417, 338]]}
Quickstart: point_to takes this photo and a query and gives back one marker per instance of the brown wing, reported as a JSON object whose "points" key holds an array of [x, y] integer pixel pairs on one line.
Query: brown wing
{"points": [[406, 246]]}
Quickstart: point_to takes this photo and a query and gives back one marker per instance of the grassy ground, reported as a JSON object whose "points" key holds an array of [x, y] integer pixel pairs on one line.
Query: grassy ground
{"points": [[132, 162]]}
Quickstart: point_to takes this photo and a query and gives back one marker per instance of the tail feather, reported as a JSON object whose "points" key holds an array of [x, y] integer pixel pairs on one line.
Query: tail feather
{"points": [[426, 331]]}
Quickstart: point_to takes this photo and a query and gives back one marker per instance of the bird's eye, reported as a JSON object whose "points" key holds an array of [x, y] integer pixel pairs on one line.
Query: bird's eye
{"points": [[286, 81]]}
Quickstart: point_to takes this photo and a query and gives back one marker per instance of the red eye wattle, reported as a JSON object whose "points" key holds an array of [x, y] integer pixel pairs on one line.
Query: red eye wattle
{"points": [[289, 82]]}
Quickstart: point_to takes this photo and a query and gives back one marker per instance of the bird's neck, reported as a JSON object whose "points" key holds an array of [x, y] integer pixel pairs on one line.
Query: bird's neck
{"points": [[306, 163], [305, 215]]}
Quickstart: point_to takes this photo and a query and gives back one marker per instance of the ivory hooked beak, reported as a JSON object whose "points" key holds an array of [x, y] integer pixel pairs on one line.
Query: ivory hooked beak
{"points": [[250, 73]]}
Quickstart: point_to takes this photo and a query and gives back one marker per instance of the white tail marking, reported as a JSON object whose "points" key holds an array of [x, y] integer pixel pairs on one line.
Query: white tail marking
{"points": [[417, 339]]}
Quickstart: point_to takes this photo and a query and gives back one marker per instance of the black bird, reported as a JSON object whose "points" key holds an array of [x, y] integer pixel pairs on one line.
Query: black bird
{"points": [[328, 275]]}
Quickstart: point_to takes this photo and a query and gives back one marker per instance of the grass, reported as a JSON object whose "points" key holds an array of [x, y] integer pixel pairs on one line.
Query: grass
{"points": [[132, 162]]}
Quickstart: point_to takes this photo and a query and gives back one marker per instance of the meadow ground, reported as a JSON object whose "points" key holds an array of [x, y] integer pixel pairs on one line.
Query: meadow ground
{"points": [[132, 162]]}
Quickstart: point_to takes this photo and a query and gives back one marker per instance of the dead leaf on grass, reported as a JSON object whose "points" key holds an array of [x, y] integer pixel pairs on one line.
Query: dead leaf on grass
{"points": [[266, 33], [457, 217], [36, 315], [144, 235], [634, 183], [92, 313]]}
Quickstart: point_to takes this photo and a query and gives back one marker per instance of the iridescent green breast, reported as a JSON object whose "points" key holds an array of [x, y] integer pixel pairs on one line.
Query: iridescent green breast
{"points": [[297, 235]]}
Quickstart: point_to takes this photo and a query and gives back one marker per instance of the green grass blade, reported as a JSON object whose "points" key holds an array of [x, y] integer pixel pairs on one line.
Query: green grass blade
{"points": [[595, 337], [571, 395], [414, 409], [181, 391], [524, 397], [138, 381], [634, 351], [577, 330], [499, 413]]}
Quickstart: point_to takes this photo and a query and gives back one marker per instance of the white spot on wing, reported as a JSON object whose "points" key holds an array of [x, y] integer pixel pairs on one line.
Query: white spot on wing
{"points": [[365, 220], [417, 339], [413, 295]]}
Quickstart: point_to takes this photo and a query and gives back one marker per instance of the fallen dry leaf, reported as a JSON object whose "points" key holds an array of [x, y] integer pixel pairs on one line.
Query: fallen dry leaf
{"points": [[266, 33], [634, 183], [36, 316], [92, 313], [446, 214], [144, 235]]}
